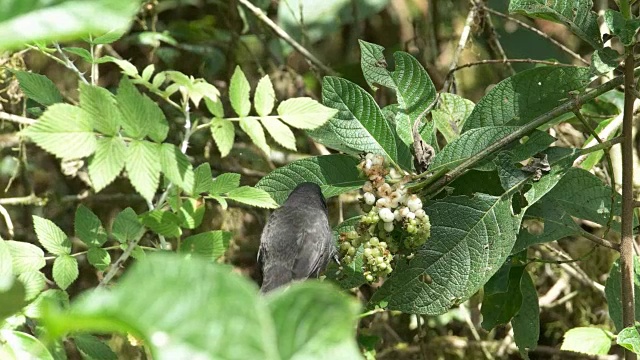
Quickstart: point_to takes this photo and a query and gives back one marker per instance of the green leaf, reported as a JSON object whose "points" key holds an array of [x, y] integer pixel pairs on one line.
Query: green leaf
{"points": [[526, 95], [140, 115], [89, 228], [107, 162], [224, 183], [459, 256], [191, 213], [65, 131], [176, 167], [359, 125], [374, 65], [6, 268], [143, 167], [252, 196], [126, 226], [19, 345], [451, 114], [26, 257], [22, 23], [625, 29], [604, 60], [51, 237], [38, 88], [99, 258], [239, 91], [526, 323], [83, 53], [280, 132], [65, 271], [215, 107], [127, 68], [203, 180], [223, 134], [499, 308], [253, 128], [108, 37], [613, 292], [335, 174], [100, 104], [210, 245], [575, 14], [148, 72], [629, 338], [304, 113], [12, 299], [34, 283], [93, 348], [587, 340], [265, 97], [162, 222]]}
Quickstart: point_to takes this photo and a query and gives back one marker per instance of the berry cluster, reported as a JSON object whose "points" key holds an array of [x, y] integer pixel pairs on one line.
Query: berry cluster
{"points": [[395, 222]]}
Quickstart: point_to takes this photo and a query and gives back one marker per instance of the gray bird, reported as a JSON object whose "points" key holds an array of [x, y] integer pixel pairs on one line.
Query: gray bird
{"points": [[297, 242]]}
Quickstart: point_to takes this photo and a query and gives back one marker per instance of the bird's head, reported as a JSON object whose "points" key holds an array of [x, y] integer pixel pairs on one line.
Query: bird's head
{"points": [[306, 193]]}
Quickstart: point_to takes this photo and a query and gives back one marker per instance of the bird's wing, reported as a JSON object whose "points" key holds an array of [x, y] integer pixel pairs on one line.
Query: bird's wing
{"points": [[315, 246], [278, 249]]}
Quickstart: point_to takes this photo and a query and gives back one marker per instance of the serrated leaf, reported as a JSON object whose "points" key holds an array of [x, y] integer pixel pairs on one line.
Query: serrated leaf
{"points": [[143, 167], [587, 340], [252, 196], [65, 131], [100, 104], [126, 227], [203, 180], [191, 213], [253, 128], [108, 37], [127, 67], [239, 90], [526, 323], [459, 257], [210, 245], [93, 348], [624, 29], [162, 222], [140, 115], [575, 14], [65, 271], [215, 107], [265, 97], [25, 256], [335, 174], [450, 115], [38, 88], [89, 228], [224, 183], [222, 201], [359, 125], [202, 89], [280, 132], [51, 237], [107, 162], [374, 65], [499, 308], [99, 258], [148, 72], [223, 134], [629, 338], [176, 167], [34, 282], [304, 113], [522, 97], [84, 54]]}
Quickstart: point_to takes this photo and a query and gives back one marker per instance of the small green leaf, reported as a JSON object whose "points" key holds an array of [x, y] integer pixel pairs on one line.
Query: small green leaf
{"points": [[84, 54], [38, 88], [148, 72], [239, 91], [126, 226], [51, 237], [89, 228], [587, 340], [450, 115], [176, 167], [280, 132], [140, 115], [374, 65], [143, 167], [215, 107], [625, 29], [99, 258], [253, 128], [12, 299], [223, 134], [629, 338], [224, 183], [305, 113], [604, 60], [26, 257], [6, 268], [265, 96], [107, 162], [108, 37], [20, 345], [526, 323], [210, 245], [191, 213], [100, 104], [65, 131], [93, 348], [127, 68], [252, 196], [163, 222], [34, 282], [65, 271], [203, 180]]}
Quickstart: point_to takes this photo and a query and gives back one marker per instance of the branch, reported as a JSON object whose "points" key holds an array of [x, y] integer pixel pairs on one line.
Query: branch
{"points": [[505, 61], [284, 36], [464, 37], [16, 118]]}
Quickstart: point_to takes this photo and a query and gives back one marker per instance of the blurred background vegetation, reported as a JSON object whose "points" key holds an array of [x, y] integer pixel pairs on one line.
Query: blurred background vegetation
{"points": [[208, 38]]}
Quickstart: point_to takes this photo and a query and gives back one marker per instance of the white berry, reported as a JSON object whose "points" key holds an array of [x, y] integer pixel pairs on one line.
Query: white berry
{"points": [[386, 215], [369, 198]]}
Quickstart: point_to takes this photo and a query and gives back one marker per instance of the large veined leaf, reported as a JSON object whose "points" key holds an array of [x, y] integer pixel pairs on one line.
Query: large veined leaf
{"points": [[575, 14], [334, 173], [470, 239], [521, 98], [38, 88], [176, 167], [140, 115], [107, 162], [100, 104], [195, 309], [65, 131], [359, 125], [143, 167], [26, 21]]}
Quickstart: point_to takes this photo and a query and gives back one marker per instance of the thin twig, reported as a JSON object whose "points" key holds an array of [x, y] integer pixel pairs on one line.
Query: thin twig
{"points": [[503, 61], [16, 118], [492, 40], [284, 36], [7, 220], [464, 37], [69, 64], [474, 331]]}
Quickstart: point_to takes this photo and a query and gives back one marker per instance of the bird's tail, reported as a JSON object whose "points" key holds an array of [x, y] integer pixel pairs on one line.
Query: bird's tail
{"points": [[274, 277]]}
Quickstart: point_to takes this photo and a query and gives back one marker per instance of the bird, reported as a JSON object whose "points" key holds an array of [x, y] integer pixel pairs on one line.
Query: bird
{"points": [[297, 241]]}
